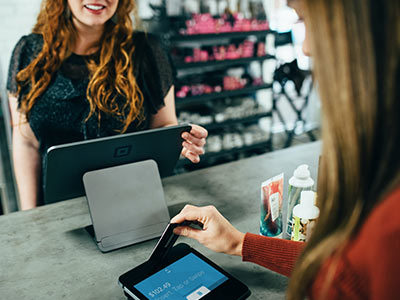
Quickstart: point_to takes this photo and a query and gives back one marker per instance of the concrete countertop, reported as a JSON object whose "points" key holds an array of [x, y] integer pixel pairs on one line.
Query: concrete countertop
{"points": [[46, 253]]}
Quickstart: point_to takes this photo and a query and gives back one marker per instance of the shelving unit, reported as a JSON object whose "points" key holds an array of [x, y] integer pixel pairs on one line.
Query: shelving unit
{"points": [[221, 63], [229, 122], [297, 104], [265, 146], [208, 99], [179, 38], [194, 100]]}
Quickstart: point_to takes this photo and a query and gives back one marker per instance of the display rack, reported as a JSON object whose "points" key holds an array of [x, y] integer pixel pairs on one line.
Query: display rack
{"points": [[179, 38], [290, 72], [222, 63], [194, 100], [205, 90], [300, 123], [190, 102], [230, 122], [230, 154], [211, 158]]}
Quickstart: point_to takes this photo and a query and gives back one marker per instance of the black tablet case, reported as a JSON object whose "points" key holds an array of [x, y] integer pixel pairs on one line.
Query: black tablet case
{"points": [[148, 267]]}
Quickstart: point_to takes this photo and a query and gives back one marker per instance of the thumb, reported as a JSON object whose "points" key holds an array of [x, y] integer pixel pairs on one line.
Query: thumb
{"points": [[188, 231]]}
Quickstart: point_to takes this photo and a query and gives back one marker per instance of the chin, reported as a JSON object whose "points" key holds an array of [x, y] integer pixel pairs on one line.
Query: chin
{"points": [[96, 22]]}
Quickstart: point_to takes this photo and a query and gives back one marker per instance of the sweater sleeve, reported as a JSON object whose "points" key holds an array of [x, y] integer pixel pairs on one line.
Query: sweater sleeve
{"points": [[276, 254], [384, 264]]}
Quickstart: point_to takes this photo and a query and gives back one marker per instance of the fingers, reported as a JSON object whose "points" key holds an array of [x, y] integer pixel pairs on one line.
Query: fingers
{"points": [[189, 137], [194, 213], [188, 232], [198, 131], [188, 213], [193, 146], [218, 234], [194, 158], [197, 150]]}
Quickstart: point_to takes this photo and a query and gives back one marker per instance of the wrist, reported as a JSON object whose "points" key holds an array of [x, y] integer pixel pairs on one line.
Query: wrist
{"points": [[238, 244]]}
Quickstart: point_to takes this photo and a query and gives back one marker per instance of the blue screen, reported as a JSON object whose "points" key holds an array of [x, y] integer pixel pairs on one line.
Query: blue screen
{"points": [[189, 278]]}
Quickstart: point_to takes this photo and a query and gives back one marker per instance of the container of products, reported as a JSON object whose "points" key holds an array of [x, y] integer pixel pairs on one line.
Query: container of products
{"points": [[300, 181], [271, 207], [304, 217]]}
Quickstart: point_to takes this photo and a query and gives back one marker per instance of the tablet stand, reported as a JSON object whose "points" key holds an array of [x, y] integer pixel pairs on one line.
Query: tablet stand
{"points": [[126, 204]]}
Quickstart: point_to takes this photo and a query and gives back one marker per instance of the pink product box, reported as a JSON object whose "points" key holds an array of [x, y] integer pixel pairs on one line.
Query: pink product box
{"points": [[234, 83], [196, 90], [244, 50], [205, 23], [257, 81], [261, 49]]}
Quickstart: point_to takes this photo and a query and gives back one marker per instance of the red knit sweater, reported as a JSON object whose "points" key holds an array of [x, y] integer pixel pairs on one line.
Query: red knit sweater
{"points": [[369, 267]]}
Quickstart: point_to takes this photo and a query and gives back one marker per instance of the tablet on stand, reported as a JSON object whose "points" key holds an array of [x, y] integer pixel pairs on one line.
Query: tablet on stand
{"points": [[121, 178], [126, 204]]}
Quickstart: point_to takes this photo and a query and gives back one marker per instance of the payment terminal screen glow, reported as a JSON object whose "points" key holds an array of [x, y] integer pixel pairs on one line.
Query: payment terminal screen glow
{"points": [[189, 278]]}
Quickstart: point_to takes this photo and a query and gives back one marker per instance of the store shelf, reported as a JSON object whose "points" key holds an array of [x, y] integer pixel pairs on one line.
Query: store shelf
{"points": [[229, 122], [221, 63], [182, 102], [224, 153], [219, 36]]}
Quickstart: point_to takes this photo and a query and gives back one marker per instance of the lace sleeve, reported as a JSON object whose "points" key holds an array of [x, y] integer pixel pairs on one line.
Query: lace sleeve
{"points": [[155, 72], [162, 62], [15, 65], [24, 52]]}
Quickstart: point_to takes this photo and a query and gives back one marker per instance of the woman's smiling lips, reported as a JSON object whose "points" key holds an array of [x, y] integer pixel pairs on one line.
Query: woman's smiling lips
{"points": [[95, 8]]}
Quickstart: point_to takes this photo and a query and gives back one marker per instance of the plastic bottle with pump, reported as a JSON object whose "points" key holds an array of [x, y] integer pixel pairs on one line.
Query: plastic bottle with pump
{"points": [[300, 181], [304, 217]]}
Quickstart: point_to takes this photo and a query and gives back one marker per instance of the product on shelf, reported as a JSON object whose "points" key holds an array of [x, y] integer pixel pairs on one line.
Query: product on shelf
{"points": [[197, 90], [206, 24], [246, 136], [195, 118], [229, 83], [219, 91], [246, 49], [233, 83], [247, 108]]}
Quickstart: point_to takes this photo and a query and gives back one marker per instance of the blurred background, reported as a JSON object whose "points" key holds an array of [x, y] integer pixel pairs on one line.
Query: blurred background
{"points": [[239, 72]]}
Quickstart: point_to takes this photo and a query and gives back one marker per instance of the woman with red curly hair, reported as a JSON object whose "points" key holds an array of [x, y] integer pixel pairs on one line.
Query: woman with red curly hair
{"points": [[84, 73]]}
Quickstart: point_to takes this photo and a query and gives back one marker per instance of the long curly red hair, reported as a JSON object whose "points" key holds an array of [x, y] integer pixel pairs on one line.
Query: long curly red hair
{"points": [[110, 77]]}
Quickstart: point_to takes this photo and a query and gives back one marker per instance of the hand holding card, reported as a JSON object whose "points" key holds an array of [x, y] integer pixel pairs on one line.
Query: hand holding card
{"points": [[180, 272]]}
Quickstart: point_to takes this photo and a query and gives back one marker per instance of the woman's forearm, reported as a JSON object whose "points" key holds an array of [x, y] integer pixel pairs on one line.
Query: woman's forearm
{"points": [[276, 254], [27, 168]]}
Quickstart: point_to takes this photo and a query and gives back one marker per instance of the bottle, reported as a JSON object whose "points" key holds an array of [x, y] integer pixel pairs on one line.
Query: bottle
{"points": [[304, 217], [300, 181]]}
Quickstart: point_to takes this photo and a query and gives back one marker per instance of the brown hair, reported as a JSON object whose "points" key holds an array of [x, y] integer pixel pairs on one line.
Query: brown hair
{"points": [[356, 47], [111, 76]]}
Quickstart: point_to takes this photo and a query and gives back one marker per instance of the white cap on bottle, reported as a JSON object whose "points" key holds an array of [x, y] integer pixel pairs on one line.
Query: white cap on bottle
{"points": [[306, 209], [307, 198], [301, 177]]}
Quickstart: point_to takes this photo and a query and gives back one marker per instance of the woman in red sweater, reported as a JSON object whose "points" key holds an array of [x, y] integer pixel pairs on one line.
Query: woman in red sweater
{"points": [[354, 252]]}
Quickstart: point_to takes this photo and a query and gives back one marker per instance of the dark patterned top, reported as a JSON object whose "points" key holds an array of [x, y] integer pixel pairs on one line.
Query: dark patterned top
{"points": [[58, 116]]}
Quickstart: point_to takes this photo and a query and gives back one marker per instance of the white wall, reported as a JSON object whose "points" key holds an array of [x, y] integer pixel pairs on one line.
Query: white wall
{"points": [[17, 18]]}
